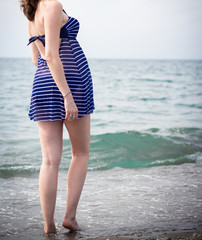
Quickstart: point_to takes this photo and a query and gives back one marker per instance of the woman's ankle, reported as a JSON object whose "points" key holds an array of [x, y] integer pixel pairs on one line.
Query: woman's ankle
{"points": [[50, 228], [70, 223]]}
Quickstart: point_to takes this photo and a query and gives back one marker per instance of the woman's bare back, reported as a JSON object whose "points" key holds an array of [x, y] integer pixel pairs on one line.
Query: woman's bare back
{"points": [[36, 27]]}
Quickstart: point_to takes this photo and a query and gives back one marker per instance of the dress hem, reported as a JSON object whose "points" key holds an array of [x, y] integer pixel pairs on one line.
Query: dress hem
{"points": [[59, 119]]}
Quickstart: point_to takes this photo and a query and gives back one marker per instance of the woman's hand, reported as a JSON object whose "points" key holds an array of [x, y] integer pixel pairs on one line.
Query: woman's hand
{"points": [[71, 110]]}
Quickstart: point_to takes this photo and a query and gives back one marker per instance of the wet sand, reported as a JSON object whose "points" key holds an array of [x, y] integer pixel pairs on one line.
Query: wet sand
{"points": [[115, 204], [132, 236], [163, 236]]}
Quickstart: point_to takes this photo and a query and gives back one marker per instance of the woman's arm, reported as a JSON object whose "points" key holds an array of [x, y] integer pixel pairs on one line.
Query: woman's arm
{"points": [[34, 49], [34, 53], [52, 24]]}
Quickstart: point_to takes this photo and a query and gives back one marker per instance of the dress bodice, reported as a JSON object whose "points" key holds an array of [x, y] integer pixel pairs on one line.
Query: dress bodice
{"points": [[69, 30]]}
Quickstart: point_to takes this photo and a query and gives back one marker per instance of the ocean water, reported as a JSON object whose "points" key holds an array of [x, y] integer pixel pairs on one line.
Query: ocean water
{"points": [[146, 140], [148, 113]]}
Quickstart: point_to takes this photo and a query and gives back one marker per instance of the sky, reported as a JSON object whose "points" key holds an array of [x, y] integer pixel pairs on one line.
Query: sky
{"points": [[137, 29]]}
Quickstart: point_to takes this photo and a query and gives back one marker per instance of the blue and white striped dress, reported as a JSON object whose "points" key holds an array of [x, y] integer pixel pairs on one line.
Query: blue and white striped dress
{"points": [[47, 103]]}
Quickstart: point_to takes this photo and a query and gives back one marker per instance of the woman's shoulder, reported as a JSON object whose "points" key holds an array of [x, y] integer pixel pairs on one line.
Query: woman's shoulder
{"points": [[52, 5]]}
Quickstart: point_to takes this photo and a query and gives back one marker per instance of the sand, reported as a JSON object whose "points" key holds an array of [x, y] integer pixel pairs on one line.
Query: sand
{"points": [[162, 236]]}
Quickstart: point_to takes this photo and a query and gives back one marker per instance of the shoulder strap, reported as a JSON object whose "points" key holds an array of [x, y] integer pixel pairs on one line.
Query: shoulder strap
{"points": [[64, 11]]}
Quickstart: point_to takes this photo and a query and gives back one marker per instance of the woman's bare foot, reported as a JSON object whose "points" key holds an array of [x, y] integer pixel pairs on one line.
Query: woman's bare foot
{"points": [[50, 229], [71, 224]]}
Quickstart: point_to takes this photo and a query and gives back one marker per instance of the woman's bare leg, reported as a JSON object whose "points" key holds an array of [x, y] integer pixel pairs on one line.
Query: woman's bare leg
{"points": [[79, 132], [51, 145]]}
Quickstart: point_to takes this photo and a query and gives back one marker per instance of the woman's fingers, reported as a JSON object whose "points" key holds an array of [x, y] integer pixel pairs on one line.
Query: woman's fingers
{"points": [[71, 110], [72, 115], [66, 114], [75, 114]]}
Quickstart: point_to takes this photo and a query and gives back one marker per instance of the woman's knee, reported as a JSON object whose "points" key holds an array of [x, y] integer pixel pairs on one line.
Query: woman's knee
{"points": [[51, 161], [80, 158]]}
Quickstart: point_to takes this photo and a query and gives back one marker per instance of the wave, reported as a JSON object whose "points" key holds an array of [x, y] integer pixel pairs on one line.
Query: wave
{"points": [[154, 80], [146, 149], [132, 149], [18, 170]]}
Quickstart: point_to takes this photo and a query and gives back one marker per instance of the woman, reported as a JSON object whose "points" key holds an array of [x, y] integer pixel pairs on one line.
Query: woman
{"points": [[62, 94]]}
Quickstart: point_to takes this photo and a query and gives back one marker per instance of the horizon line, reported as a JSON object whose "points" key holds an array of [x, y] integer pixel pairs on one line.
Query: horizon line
{"points": [[106, 58]]}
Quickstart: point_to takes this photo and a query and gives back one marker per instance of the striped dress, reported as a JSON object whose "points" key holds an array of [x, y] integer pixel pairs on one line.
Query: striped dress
{"points": [[47, 103]]}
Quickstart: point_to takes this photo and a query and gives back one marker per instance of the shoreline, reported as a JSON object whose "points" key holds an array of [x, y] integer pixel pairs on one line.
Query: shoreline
{"points": [[161, 236], [158, 203]]}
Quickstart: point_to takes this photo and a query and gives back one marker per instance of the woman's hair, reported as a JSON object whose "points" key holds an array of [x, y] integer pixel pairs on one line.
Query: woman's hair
{"points": [[29, 8]]}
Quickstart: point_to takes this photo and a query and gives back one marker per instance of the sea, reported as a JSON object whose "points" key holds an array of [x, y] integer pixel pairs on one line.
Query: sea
{"points": [[145, 167]]}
